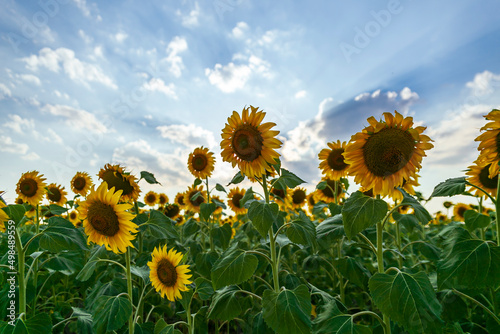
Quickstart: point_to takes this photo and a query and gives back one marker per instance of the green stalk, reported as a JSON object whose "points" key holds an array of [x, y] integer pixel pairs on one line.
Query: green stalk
{"points": [[22, 284], [212, 248], [272, 242], [380, 263], [497, 209], [131, 324], [341, 279], [35, 267], [335, 192], [398, 244]]}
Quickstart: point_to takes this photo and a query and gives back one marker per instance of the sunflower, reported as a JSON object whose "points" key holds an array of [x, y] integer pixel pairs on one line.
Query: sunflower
{"points": [[459, 211], [172, 211], [56, 194], [31, 187], [166, 275], [115, 176], [278, 195], [440, 218], [151, 198], [233, 200], [194, 204], [3, 216], [327, 195], [489, 145], [479, 175], [447, 204], [179, 200], [297, 197], [105, 221], [162, 199], [249, 143], [387, 154], [81, 183], [311, 201], [74, 219], [332, 161], [201, 163]]}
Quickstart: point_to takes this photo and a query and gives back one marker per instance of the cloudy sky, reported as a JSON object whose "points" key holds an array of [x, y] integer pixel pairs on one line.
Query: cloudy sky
{"points": [[142, 83]]}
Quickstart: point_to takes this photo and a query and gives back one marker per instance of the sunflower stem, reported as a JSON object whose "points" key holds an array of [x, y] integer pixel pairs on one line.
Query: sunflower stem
{"points": [[212, 248], [22, 284], [380, 263], [398, 244], [272, 241], [341, 279], [335, 192], [35, 267], [131, 326]]}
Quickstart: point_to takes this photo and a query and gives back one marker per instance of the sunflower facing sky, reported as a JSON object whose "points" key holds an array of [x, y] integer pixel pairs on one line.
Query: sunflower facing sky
{"points": [[479, 175], [489, 145], [105, 221], [166, 275], [332, 161], [56, 194], [115, 176], [81, 183], [31, 187], [249, 143], [201, 163], [387, 154]]}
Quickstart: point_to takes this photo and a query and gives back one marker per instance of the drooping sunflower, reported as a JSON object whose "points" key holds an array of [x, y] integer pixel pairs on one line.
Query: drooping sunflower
{"points": [[105, 221], [327, 194], [172, 211], [233, 200], [179, 200], [81, 183], [297, 197], [332, 161], [151, 198], [201, 163], [386, 154], [459, 211], [194, 204], [56, 194], [31, 187], [162, 199], [74, 218], [166, 275], [249, 143], [479, 175], [489, 145], [115, 176]]}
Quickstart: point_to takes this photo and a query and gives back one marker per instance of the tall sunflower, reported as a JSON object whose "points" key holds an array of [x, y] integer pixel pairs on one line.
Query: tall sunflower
{"points": [[297, 197], [162, 199], [166, 275], [233, 200], [105, 221], [249, 143], [201, 163], [479, 175], [386, 154], [332, 161], [489, 145], [31, 187], [56, 194], [151, 198], [115, 176], [81, 183], [194, 204]]}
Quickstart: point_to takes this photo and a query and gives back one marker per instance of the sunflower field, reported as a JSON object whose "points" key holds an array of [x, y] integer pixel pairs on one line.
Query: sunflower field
{"points": [[271, 258]]}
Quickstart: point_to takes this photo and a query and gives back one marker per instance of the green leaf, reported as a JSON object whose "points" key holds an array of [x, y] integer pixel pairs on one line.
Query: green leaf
{"points": [[474, 219], [263, 216], [160, 225], [161, 327], [91, 264], [15, 212], [330, 229], [361, 212], [454, 307], [190, 227], [61, 235], [335, 209], [225, 304], [205, 262], [450, 187], [204, 288], [197, 182], [409, 221], [302, 231], [219, 203], [288, 179], [149, 177], [39, 324], [351, 269], [66, 263], [333, 321], [249, 194], [420, 212], [322, 185], [237, 178], [221, 235], [84, 321], [142, 272], [233, 267], [469, 263], [407, 299], [206, 210], [288, 311], [111, 313], [55, 209], [220, 187]]}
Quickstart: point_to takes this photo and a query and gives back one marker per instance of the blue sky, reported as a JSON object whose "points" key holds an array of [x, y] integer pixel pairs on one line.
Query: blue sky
{"points": [[84, 83]]}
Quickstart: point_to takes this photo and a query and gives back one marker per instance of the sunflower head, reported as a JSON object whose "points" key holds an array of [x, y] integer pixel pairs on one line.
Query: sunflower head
{"points": [[249, 143], [56, 194], [179, 200], [74, 218], [116, 177], [172, 211], [193, 198], [479, 175], [297, 197], [333, 189], [31, 187], [81, 183], [201, 163], [3, 216], [332, 162], [151, 198], [459, 211], [166, 275], [386, 154], [107, 222], [489, 145], [162, 199], [233, 200]]}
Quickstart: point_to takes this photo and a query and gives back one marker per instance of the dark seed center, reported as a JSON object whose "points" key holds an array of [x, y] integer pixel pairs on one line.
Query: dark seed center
{"points": [[336, 159], [54, 195], [29, 187], [298, 196], [328, 191], [115, 179], [247, 143], [103, 218], [166, 273], [79, 183], [236, 200], [199, 162], [484, 177], [171, 210]]}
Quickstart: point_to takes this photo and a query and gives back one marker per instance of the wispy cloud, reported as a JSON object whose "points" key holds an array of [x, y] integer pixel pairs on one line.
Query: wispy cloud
{"points": [[190, 20], [187, 135], [76, 118], [173, 60]]}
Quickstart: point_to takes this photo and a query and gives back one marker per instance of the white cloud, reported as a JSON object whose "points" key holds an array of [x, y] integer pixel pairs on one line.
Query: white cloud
{"points": [[76, 118], [188, 135], [362, 96], [174, 61], [30, 78], [158, 85], [300, 94], [86, 38], [407, 94], [4, 91], [30, 156], [20, 125], [120, 37], [9, 146], [59, 94], [190, 20], [65, 58], [240, 30], [53, 137], [86, 11], [484, 83]]}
